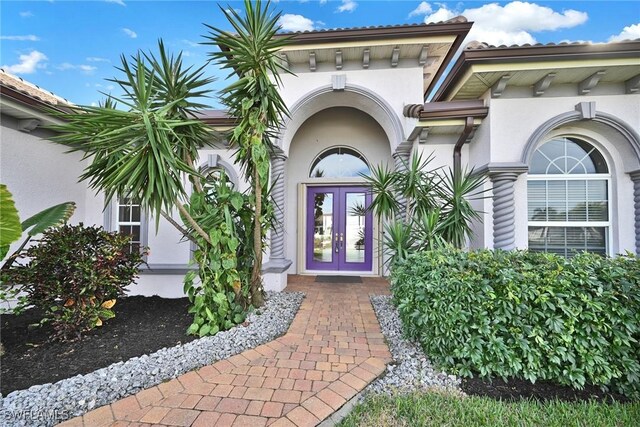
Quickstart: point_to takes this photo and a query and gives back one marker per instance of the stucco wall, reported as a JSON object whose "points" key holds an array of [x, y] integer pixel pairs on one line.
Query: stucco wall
{"points": [[331, 127], [512, 121], [392, 86], [39, 173]]}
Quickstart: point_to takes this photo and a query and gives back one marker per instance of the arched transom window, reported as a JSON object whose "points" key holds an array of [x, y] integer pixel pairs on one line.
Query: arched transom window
{"points": [[339, 162], [568, 198]]}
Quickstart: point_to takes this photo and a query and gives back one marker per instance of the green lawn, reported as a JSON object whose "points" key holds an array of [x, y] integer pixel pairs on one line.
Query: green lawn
{"points": [[437, 409]]}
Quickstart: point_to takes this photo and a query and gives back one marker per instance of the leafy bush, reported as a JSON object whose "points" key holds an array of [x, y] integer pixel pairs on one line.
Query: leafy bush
{"points": [[222, 294], [525, 314], [74, 275]]}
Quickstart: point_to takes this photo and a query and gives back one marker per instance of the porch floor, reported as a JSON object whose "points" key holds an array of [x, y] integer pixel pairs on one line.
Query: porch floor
{"points": [[334, 348]]}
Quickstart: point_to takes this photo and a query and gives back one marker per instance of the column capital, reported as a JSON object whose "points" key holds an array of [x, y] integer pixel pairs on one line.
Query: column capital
{"points": [[278, 154], [403, 149], [503, 170], [635, 175]]}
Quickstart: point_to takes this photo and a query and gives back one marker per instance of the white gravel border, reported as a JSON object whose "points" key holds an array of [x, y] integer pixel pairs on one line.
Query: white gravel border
{"points": [[48, 404]]}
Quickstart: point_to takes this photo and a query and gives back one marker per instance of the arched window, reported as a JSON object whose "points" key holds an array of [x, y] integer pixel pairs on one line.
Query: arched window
{"points": [[339, 162], [568, 198], [216, 167]]}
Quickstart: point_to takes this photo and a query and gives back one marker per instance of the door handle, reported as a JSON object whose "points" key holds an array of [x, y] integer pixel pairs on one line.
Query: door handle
{"points": [[341, 239], [337, 246]]}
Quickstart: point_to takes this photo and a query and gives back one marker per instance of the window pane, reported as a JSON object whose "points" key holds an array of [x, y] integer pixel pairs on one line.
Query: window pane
{"points": [[567, 156], [567, 241], [339, 162], [577, 200], [124, 213], [323, 227], [135, 213], [355, 226]]}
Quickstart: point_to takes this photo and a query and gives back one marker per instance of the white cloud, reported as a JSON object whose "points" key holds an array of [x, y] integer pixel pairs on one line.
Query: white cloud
{"points": [[26, 14], [291, 22], [87, 69], [27, 38], [65, 66], [120, 2], [96, 59], [323, 1], [423, 8], [191, 43], [347, 6], [631, 32], [28, 64], [130, 33], [511, 23]]}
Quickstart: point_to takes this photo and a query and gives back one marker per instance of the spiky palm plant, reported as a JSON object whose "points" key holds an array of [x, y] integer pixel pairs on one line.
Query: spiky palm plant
{"points": [[145, 150], [250, 52]]}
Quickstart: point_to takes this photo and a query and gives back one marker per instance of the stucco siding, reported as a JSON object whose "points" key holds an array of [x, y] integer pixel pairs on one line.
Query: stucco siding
{"points": [[38, 172], [514, 121]]}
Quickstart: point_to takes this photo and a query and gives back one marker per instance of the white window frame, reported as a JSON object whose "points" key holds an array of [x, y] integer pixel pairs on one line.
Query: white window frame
{"points": [[578, 177], [113, 223]]}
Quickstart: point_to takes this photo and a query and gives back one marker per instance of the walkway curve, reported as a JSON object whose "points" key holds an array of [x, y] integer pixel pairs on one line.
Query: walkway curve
{"points": [[334, 348]]}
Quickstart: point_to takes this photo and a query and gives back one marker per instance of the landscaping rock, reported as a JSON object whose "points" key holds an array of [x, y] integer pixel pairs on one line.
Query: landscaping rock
{"points": [[412, 370], [48, 404]]}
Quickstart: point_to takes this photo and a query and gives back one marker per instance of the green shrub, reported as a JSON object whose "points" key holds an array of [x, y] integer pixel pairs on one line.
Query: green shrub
{"points": [[220, 291], [523, 314], [74, 275]]}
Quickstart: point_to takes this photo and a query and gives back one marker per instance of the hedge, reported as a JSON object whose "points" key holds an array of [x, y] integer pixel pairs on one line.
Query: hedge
{"points": [[523, 314]]}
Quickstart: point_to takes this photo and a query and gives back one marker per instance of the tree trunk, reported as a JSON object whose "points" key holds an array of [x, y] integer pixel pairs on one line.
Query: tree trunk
{"points": [[257, 297]]}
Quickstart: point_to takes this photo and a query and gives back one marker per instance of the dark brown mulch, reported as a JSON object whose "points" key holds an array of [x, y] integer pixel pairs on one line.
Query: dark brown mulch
{"points": [[515, 389], [142, 325]]}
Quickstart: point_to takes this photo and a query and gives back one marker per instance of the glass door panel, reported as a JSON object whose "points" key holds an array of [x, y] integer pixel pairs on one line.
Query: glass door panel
{"points": [[323, 227], [354, 227], [339, 229]]}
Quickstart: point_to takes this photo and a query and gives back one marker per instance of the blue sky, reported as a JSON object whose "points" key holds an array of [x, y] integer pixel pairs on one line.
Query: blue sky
{"points": [[70, 47]]}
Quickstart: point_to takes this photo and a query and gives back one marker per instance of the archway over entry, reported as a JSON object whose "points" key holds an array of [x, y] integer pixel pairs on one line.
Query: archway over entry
{"points": [[353, 96]]}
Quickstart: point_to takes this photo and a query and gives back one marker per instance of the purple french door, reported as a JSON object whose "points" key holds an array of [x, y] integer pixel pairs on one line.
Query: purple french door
{"points": [[339, 229]]}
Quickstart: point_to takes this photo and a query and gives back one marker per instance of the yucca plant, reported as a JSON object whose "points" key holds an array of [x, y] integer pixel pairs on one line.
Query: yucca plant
{"points": [[425, 208], [144, 151], [250, 52]]}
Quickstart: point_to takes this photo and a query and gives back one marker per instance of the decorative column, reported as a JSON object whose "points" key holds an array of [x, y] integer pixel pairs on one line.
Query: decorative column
{"points": [[503, 176], [635, 177], [401, 158], [277, 261]]}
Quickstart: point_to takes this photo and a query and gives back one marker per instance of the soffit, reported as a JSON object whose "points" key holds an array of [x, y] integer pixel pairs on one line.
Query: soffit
{"points": [[431, 51], [482, 78], [481, 66]]}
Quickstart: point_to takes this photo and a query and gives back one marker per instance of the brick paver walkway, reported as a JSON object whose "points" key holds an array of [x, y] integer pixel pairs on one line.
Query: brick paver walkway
{"points": [[333, 349]]}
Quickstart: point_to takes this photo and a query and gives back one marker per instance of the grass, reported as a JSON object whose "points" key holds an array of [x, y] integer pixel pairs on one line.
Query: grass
{"points": [[438, 409]]}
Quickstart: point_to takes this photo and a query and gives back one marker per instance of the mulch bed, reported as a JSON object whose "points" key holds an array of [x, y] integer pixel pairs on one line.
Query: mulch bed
{"points": [[515, 389], [142, 325]]}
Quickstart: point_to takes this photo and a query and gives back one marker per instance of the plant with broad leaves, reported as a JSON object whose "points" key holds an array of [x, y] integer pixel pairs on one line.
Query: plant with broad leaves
{"points": [[74, 275], [219, 298], [11, 230], [524, 314]]}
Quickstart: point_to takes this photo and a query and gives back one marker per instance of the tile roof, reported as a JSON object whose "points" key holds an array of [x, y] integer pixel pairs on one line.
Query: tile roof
{"points": [[29, 89], [478, 45], [454, 20]]}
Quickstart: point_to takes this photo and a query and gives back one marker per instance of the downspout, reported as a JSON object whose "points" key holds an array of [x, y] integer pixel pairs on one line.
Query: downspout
{"points": [[457, 149]]}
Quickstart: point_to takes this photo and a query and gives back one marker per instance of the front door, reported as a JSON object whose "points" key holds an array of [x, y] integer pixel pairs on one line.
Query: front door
{"points": [[339, 229]]}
